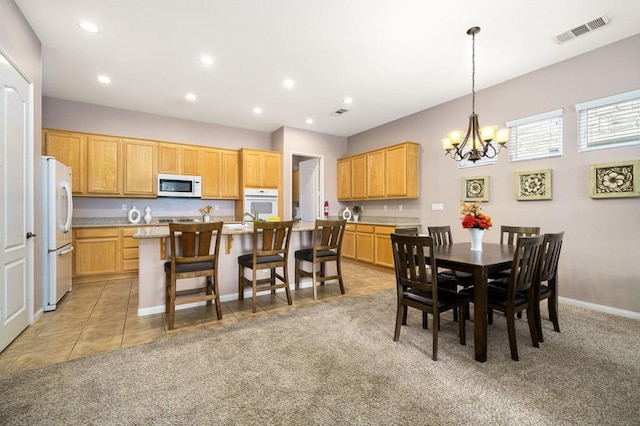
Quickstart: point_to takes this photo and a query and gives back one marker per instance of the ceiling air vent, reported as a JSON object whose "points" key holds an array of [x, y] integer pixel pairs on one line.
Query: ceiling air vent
{"points": [[339, 112], [582, 29]]}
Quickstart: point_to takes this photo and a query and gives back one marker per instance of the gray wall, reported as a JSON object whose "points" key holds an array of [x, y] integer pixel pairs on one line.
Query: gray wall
{"points": [[599, 262], [20, 44]]}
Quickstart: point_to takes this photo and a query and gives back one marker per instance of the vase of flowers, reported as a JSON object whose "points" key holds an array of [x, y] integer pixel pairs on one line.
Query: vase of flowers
{"points": [[476, 222]]}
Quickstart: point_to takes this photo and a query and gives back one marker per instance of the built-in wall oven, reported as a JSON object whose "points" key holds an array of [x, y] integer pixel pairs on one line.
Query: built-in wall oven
{"points": [[261, 202]]}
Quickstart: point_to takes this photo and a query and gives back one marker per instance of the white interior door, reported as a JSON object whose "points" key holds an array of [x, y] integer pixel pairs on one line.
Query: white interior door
{"points": [[309, 190], [16, 252]]}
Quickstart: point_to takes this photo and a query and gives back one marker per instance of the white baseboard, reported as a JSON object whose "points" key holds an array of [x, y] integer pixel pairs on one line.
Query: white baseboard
{"points": [[226, 298], [600, 308]]}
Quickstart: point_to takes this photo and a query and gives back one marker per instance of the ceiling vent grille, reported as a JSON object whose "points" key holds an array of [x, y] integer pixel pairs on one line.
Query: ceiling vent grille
{"points": [[582, 29], [339, 112]]}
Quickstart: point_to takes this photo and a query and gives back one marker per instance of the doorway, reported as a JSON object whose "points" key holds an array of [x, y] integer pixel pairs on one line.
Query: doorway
{"points": [[307, 189]]}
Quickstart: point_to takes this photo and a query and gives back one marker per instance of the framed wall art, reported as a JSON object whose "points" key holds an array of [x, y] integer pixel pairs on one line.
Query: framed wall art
{"points": [[475, 188], [615, 180], [533, 185]]}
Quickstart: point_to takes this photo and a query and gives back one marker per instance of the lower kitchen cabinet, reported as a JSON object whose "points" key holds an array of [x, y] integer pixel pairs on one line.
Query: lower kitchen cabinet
{"points": [[349, 241], [383, 248], [104, 253], [368, 243], [364, 243]]}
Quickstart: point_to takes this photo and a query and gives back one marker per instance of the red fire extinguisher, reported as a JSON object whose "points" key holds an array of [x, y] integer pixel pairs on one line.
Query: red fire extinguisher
{"points": [[326, 209]]}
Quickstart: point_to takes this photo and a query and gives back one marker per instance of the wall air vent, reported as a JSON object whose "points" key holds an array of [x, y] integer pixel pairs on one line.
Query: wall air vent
{"points": [[582, 29], [339, 112]]}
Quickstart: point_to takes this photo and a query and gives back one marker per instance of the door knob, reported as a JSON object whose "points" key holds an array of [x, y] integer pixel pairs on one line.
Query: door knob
{"points": [[31, 235]]}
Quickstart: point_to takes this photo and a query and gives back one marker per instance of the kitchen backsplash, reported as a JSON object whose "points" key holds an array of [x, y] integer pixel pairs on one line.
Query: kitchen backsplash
{"points": [[85, 207]]}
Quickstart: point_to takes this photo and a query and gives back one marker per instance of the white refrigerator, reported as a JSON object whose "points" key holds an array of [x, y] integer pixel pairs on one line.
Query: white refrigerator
{"points": [[57, 207]]}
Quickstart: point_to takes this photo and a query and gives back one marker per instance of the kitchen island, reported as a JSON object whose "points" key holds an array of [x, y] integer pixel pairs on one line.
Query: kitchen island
{"points": [[154, 251]]}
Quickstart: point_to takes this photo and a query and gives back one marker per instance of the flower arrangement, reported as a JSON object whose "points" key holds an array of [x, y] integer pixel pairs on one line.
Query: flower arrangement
{"points": [[472, 217]]}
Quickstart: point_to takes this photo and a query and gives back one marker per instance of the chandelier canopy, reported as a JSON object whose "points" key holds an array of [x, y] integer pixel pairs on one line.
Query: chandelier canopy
{"points": [[477, 142]]}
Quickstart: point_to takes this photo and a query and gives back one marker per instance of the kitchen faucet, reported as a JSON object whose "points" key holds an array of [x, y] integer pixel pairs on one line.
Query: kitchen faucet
{"points": [[253, 216]]}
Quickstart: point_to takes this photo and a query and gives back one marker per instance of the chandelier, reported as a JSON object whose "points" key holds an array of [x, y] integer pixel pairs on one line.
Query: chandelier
{"points": [[477, 142]]}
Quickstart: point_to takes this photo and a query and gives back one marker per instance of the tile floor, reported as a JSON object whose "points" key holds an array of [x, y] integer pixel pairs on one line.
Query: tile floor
{"points": [[102, 317]]}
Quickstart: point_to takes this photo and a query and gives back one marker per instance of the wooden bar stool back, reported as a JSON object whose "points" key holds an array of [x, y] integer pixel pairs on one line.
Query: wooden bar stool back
{"points": [[270, 251], [195, 248], [327, 247]]}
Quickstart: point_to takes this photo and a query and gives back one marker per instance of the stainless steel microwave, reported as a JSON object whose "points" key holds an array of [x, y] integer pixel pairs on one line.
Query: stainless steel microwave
{"points": [[179, 186]]}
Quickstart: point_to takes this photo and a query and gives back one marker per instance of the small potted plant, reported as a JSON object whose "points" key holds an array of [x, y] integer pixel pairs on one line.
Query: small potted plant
{"points": [[356, 213]]}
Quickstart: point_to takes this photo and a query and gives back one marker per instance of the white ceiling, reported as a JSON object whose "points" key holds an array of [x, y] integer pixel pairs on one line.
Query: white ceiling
{"points": [[393, 57]]}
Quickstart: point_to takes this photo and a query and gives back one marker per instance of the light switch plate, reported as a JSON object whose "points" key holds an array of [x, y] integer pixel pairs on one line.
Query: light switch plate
{"points": [[439, 207]]}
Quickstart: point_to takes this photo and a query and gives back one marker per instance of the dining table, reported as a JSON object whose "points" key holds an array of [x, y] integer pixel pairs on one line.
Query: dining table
{"points": [[492, 258]]}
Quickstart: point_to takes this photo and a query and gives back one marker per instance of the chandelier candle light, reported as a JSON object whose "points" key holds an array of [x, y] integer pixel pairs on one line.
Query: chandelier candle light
{"points": [[476, 222], [477, 142]]}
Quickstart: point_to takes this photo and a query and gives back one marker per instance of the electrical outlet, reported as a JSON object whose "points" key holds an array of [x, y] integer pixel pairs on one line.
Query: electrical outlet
{"points": [[124, 207], [216, 207], [400, 207], [438, 207]]}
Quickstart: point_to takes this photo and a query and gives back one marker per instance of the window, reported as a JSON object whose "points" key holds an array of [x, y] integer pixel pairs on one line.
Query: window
{"points": [[537, 136], [484, 161], [610, 122]]}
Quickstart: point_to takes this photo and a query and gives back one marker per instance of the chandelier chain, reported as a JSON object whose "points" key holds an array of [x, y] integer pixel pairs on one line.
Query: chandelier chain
{"points": [[473, 73]]}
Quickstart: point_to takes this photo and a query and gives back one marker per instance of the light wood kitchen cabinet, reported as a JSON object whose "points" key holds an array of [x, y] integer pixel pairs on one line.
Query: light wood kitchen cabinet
{"points": [[390, 172], [375, 174], [261, 169], [104, 165], [96, 251], [401, 175], [383, 248], [178, 159], [68, 148], [344, 179], [359, 177], [140, 173], [349, 241], [219, 174], [295, 186], [364, 243], [129, 261]]}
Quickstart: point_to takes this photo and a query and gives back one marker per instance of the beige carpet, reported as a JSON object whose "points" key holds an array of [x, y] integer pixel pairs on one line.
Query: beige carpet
{"points": [[337, 364]]}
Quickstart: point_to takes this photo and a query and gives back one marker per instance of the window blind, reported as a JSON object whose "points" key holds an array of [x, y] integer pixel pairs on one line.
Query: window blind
{"points": [[610, 122], [537, 136]]}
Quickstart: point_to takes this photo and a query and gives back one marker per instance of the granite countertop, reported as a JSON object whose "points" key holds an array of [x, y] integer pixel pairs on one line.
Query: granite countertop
{"points": [[161, 221]]}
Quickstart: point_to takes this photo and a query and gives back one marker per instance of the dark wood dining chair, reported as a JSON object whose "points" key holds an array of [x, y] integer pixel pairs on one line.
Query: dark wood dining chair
{"points": [[509, 235], [327, 247], [270, 251], [519, 294], [412, 230], [195, 250], [417, 286], [548, 273], [442, 236]]}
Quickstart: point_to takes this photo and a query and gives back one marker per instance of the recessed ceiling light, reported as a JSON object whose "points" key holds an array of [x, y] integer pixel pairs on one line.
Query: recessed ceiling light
{"points": [[309, 120], [190, 97], [288, 83], [257, 110], [348, 101], [104, 79], [206, 60], [89, 27]]}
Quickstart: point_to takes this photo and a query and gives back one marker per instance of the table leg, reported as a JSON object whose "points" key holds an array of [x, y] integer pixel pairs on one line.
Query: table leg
{"points": [[480, 314]]}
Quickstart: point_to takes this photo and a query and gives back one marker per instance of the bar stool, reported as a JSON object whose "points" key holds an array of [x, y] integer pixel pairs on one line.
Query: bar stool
{"points": [[327, 247], [270, 253], [191, 257]]}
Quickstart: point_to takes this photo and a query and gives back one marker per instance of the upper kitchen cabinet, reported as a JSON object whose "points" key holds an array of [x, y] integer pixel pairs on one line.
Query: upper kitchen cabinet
{"points": [[104, 165], [260, 169], [140, 172], [178, 159], [220, 174], [69, 148], [390, 172]]}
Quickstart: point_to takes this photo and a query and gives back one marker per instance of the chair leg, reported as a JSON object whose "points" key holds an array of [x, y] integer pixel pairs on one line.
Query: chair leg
{"points": [[322, 272], [297, 274], [461, 325], [425, 320], [254, 290], [287, 290], [436, 328], [339, 269], [511, 327], [400, 320], [533, 329], [216, 293], [553, 312], [313, 280], [538, 321], [490, 316], [273, 281], [404, 314], [240, 282], [172, 303]]}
